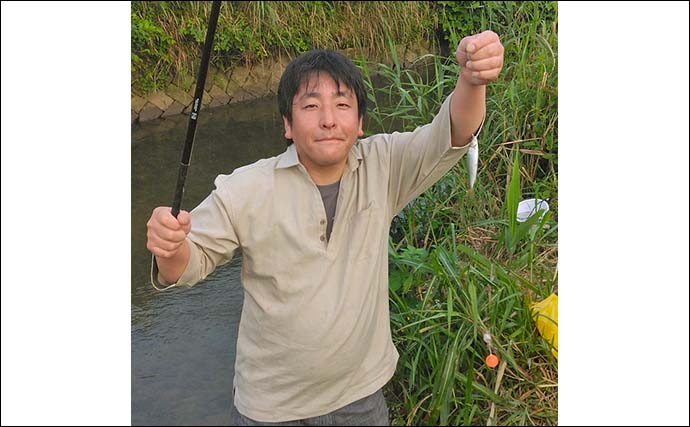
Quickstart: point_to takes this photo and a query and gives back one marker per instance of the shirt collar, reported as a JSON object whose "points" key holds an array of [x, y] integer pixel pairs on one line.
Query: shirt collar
{"points": [[289, 157], [354, 157]]}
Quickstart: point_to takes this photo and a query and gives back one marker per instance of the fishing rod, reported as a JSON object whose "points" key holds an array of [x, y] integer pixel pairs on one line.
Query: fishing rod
{"points": [[196, 106]]}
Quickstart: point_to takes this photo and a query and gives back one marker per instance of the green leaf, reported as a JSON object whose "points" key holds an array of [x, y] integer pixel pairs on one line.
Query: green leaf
{"points": [[512, 199], [395, 280]]}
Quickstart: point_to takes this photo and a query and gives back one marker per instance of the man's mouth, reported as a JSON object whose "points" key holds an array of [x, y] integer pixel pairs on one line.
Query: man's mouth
{"points": [[329, 140]]}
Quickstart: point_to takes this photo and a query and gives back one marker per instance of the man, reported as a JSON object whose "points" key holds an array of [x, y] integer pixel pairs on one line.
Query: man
{"points": [[314, 343]]}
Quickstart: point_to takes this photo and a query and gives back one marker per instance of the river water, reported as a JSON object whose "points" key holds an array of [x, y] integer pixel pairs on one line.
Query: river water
{"points": [[183, 340]]}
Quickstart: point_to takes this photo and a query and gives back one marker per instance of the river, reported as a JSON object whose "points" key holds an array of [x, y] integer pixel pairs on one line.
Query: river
{"points": [[183, 340]]}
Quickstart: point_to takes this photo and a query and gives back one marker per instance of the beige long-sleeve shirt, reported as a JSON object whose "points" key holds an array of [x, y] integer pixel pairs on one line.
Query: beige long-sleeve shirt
{"points": [[314, 333]]}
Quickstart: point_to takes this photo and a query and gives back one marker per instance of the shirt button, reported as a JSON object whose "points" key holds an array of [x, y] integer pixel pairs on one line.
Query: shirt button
{"points": [[323, 238], [323, 221]]}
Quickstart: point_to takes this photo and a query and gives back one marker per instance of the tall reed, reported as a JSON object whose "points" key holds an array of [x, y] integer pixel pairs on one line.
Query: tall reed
{"points": [[461, 265]]}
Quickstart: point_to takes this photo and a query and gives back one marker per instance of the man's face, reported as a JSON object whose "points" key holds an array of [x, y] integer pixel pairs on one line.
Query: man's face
{"points": [[325, 123]]}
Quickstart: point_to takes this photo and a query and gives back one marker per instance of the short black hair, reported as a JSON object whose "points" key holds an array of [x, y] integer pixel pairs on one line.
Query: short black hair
{"points": [[302, 68]]}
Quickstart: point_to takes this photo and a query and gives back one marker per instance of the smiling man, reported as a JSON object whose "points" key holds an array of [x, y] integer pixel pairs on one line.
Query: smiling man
{"points": [[314, 343], [325, 122]]}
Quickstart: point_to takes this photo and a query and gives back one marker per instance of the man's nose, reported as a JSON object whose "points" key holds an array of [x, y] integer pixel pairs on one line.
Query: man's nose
{"points": [[327, 118]]}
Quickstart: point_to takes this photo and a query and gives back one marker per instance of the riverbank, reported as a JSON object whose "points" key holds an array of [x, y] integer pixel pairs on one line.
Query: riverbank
{"points": [[242, 83]]}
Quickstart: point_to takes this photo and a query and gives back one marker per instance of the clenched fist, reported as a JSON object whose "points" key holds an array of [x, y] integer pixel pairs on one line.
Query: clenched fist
{"points": [[480, 57], [166, 234]]}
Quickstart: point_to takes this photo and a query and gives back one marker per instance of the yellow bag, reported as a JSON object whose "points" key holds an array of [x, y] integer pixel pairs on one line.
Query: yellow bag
{"points": [[545, 313]]}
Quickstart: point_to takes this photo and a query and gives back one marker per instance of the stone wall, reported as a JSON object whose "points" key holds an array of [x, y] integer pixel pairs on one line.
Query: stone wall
{"points": [[239, 84], [245, 82]]}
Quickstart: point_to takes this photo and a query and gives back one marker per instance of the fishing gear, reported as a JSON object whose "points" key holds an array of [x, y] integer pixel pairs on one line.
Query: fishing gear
{"points": [[491, 360], [196, 106]]}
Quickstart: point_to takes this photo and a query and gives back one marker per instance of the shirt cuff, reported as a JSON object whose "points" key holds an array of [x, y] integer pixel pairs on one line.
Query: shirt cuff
{"points": [[186, 279]]}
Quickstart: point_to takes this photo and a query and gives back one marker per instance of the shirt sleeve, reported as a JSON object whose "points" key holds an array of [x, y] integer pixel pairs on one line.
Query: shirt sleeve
{"points": [[420, 158], [212, 240]]}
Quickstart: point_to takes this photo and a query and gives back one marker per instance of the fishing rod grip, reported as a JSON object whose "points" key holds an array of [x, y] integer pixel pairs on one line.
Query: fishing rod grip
{"points": [[179, 189], [186, 158]]}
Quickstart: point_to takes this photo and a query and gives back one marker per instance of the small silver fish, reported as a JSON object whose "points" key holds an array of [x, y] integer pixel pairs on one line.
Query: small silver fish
{"points": [[472, 159]]}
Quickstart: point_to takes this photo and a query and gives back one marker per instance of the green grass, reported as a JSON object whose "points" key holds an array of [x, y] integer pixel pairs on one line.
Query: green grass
{"points": [[460, 263], [167, 36]]}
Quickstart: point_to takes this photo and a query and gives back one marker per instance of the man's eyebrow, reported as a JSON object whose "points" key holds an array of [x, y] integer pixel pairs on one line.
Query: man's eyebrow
{"points": [[339, 93]]}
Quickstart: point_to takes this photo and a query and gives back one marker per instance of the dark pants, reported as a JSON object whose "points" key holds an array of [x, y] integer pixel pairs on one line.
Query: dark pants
{"points": [[368, 411]]}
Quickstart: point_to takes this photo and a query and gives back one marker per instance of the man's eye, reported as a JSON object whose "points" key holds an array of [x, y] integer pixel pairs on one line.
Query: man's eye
{"points": [[344, 105], [310, 106]]}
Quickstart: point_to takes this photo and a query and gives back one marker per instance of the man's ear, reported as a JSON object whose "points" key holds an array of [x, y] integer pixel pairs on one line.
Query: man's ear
{"points": [[360, 132], [288, 128]]}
